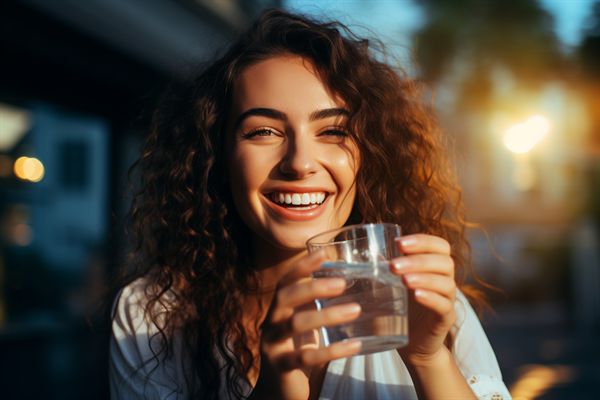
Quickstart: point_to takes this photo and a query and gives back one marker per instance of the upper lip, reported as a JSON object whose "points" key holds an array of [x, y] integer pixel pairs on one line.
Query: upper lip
{"points": [[296, 189]]}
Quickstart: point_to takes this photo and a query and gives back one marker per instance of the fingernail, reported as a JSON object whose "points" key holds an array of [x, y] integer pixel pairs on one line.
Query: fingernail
{"points": [[408, 241], [420, 293], [411, 279], [335, 283], [400, 263], [349, 309]]}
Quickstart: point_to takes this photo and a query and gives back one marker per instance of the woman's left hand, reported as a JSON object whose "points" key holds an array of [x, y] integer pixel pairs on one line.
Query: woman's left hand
{"points": [[427, 270]]}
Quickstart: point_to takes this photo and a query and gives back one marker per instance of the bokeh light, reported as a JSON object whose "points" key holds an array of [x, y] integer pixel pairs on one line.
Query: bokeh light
{"points": [[29, 169], [522, 137]]}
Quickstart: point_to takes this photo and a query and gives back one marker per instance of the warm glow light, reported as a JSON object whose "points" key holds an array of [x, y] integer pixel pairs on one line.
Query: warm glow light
{"points": [[523, 137], [534, 380], [29, 169]]}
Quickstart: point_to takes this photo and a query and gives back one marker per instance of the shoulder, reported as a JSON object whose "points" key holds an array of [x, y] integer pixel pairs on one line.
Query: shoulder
{"points": [[131, 306], [129, 314], [138, 366]]}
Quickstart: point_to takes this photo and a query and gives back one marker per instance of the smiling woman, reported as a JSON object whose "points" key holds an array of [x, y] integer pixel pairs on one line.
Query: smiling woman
{"points": [[297, 129], [289, 143]]}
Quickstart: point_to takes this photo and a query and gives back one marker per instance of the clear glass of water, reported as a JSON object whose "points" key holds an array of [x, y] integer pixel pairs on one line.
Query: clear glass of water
{"points": [[361, 254]]}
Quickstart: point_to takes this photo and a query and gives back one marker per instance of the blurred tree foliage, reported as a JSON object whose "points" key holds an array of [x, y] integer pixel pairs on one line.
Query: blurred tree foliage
{"points": [[588, 57], [589, 49], [472, 37]]}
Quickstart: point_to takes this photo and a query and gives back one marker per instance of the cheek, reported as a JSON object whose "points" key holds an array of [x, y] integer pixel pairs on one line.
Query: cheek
{"points": [[346, 169], [345, 165], [247, 173], [240, 181]]}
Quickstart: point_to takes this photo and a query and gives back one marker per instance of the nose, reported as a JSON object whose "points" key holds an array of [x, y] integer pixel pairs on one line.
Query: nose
{"points": [[299, 159]]}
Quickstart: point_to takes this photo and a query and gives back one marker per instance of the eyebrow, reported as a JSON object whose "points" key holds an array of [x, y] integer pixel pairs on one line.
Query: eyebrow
{"points": [[276, 114]]}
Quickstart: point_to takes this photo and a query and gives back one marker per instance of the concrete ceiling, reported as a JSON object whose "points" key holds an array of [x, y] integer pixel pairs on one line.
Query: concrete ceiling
{"points": [[166, 34]]}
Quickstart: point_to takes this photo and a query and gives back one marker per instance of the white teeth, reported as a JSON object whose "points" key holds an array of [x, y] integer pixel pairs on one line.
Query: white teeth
{"points": [[298, 199], [305, 198]]}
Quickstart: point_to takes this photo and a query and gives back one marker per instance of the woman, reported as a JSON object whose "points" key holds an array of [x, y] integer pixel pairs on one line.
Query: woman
{"points": [[297, 129]]}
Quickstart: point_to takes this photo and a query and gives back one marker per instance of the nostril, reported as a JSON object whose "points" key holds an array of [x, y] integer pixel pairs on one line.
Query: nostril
{"points": [[298, 165]]}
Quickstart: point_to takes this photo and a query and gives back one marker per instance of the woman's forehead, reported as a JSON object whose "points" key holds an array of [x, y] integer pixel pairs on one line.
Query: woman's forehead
{"points": [[287, 81]]}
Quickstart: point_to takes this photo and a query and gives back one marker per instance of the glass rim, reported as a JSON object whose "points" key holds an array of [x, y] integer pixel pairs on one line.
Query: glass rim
{"points": [[310, 240]]}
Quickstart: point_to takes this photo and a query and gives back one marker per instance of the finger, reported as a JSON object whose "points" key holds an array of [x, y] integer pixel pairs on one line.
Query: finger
{"points": [[303, 268], [435, 302], [302, 292], [308, 357], [422, 243], [432, 263], [440, 284], [306, 321], [334, 315]]}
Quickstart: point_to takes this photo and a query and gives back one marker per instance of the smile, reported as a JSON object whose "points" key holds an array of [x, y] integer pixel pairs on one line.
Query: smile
{"points": [[298, 201], [297, 206]]}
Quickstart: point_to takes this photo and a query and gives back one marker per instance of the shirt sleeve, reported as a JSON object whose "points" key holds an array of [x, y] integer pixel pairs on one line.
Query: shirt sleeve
{"points": [[475, 356], [135, 372]]}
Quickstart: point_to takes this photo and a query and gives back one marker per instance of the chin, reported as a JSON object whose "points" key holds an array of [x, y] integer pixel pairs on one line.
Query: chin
{"points": [[293, 239], [295, 243]]}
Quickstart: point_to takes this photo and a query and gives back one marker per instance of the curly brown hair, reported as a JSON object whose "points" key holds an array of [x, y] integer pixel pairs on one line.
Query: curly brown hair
{"points": [[187, 231]]}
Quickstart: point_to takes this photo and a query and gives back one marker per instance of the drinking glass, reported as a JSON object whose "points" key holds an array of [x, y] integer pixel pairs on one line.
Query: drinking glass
{"points": [[361, 254]]}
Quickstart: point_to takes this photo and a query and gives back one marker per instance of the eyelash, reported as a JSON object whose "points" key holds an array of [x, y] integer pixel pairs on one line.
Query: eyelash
{"points": [[267, 132], [335, 132], [258, 132]]}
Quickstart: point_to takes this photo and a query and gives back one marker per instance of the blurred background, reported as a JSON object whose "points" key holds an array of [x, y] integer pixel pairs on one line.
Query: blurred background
{"points": [[517, 88]]}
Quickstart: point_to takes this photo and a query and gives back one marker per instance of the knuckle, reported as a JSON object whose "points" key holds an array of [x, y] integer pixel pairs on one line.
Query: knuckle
{"points": [[452, 318], [445, 264], [447, 307], [446, 246], [451, 287], [451, 264], [305, 357], [280, 296], [296, 323]]}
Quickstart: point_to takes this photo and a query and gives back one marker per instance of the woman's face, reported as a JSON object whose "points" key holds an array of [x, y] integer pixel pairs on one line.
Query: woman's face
{"points": [[292, 164]]}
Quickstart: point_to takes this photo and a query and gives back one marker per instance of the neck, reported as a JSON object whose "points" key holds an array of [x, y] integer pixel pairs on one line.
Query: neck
{"points": [[273, 263]]}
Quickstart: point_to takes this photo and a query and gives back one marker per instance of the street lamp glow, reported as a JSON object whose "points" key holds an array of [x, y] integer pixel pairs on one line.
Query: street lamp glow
{"points": [[29, 169], [523, 137]]}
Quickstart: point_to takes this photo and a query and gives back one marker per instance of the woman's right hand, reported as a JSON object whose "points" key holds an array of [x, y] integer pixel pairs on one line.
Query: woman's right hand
{"points": [[284, 368]]}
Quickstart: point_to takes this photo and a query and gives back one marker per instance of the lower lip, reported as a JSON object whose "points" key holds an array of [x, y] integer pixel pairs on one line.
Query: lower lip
{"points": [[297, 215]]}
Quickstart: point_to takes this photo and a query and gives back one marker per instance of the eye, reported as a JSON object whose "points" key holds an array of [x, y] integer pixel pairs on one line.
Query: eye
{"points": [[339, 132], [259, 132]]}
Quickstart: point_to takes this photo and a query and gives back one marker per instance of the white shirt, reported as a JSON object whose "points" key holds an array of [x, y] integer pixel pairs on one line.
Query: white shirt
{"points": [[134, 374]]}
